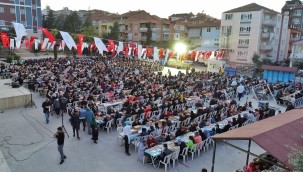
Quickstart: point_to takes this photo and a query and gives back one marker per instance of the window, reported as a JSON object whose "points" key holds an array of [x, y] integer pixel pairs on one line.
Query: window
{"points": [[1, 10], [12, 10], [136, 34], [244, 29], [217, 40], [246, 16], [217, 28], [208, 29], [243, 43], [228, 16], [2, 23], [22, 11], [242, 53], [136, 27]]}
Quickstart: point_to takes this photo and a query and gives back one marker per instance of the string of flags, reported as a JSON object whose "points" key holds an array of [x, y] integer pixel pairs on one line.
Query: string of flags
{"points": [[100, 46]]}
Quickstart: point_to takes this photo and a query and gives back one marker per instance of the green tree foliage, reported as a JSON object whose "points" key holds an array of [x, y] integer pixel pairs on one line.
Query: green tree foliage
{"points": [[298, 63], [114, 31], [49, 21], [72, 23], [148, 34], [256, 60], [60, 22], [89, 32], [88, 20]]}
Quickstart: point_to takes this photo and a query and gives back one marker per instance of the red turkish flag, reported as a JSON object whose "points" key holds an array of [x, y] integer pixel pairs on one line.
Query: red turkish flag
{"points": [[31, 42], [161, 53], [4, 39], [126, 50], [50, 37], [111, 45], [193, 55], [26, 42], [79, 45]]}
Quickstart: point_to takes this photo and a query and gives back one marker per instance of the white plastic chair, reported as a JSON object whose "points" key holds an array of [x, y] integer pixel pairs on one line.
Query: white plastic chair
{"points": [[184, 154], [175, 157], [135, 143], [108, 126], [165, 162], [193, 151], [119, 122]]}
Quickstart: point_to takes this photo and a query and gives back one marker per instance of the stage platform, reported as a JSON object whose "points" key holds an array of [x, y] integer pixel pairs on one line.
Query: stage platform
{"points": [[12, 97]]}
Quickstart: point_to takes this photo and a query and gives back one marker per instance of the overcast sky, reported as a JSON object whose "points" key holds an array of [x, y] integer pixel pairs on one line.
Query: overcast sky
{"points": [[161, 8]]}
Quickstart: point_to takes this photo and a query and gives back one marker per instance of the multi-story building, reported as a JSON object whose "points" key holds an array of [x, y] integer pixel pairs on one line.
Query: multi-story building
{"points": [[204, 32], [253, 29], [294, 10], [27, 12]]}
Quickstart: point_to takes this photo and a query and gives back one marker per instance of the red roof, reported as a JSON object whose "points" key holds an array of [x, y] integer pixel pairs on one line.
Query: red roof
{"points": [[280, 68], [275, 135]]}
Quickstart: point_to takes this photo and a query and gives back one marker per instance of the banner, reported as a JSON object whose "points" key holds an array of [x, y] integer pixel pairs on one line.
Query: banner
{"points": [[111, 45], [120, 47], [139, 51], [100, 45], [80, 38], [50, 37], [20, 30], [37, 41], [31, 42], [69, 41], [44, 44], [18, 42], [49, 45], [156, 54], [12, 44], [166, 55]]}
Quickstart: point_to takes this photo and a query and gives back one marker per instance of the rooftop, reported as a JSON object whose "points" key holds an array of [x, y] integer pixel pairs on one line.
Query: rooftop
{"points": [[249, 7]]}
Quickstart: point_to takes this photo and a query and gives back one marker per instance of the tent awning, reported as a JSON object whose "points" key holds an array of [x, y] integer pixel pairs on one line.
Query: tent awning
{"points": [[275, 135]]}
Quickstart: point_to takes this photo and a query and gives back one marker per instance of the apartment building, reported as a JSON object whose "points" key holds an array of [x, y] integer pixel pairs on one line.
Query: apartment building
{"points": [[27, 12], [253, 29], [204, 32]]}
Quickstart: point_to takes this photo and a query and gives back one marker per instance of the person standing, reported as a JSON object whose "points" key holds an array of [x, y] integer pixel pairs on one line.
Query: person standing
{"points": [[57, 106], [63, 102], [75, 121], [46, 109], [82, 117], [89, 117], [127, 132], [240, 91], [60, 140], [94, 127]]}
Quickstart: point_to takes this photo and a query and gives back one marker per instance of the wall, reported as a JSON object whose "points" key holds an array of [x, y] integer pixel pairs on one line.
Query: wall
{"points": [[210, 39]]}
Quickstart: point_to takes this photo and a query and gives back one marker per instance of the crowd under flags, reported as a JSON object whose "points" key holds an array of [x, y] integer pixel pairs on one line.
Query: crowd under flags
{"points": [[110, 46]]}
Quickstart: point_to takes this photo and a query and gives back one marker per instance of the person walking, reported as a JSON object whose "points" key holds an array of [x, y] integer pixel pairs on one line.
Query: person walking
{"points": [[89, 117], [46, 109], [75, 121], [94, 127], [240, 91], [127, 132], [60, 140]]}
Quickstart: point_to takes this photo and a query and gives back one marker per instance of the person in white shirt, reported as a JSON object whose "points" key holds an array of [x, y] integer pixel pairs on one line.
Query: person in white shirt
{"points": [[234, 83], [127, 132], [240, 91]]}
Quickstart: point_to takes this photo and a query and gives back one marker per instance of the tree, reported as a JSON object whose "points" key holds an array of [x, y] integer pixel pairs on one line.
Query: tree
{"points": [[114, 31], [72, 23], [148, 34], [256, 60], [89, 32], [59, 24], [49, 21], [88, 20]]}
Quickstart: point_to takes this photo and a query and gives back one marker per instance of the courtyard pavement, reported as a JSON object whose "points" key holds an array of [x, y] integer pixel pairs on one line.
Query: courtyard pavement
{"points": [[28, 145]]}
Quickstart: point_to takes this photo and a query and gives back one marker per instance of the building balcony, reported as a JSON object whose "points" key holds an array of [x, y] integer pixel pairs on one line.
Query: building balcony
{"points": [[266, 47], [269, 22], [155, 29], [296, 14], [166, 38], [143, 29], [243, 46], [265, 35], [294, 39], [165, 30]]}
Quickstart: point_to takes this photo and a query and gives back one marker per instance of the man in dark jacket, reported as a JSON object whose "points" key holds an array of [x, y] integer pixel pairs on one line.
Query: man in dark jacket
{"points": [[60, 140], [75, 121], [46, 109]]}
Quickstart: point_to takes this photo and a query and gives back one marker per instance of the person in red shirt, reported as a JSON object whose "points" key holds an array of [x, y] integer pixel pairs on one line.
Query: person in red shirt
{"points": [[151, 142], [147, 111]]}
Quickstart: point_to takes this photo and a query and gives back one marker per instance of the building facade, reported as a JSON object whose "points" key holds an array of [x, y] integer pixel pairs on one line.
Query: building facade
{"points": [[294, 9], [253, 29], [27, 12]]}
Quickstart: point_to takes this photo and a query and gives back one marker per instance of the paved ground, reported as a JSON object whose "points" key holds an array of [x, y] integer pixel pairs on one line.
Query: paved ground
{"points": [[31, 147], [38, 150]]}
